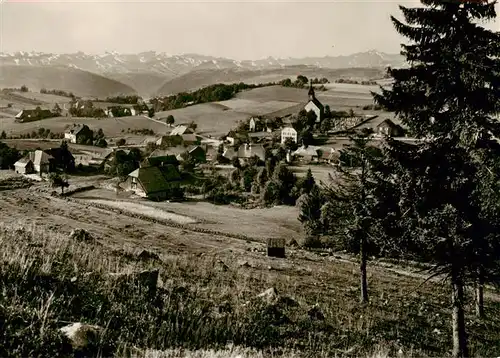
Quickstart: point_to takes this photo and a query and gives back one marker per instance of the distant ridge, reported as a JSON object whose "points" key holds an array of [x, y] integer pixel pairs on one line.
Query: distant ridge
{"points": [[171, 66], [81, 83]]}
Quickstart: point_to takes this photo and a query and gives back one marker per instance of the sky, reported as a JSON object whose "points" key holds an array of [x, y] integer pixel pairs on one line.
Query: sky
{"points": [[234, 29]]}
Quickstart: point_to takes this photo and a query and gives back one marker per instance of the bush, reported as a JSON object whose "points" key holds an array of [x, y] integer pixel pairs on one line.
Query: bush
{"points": [[120, 142]]}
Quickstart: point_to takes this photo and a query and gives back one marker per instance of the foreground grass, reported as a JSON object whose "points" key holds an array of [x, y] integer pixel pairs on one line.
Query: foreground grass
{"points": [[48, 281]]}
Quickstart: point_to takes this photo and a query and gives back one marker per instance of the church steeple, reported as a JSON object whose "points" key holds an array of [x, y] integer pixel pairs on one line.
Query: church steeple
{"points": [[311, 94]]}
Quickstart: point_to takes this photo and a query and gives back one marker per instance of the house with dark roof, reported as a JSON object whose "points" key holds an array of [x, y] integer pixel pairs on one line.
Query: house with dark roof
{"points": [[27, 115], [307, 154], [78, 133], [147, 182], [245, 152], [314, 105], [390, 129], [61, 159]]}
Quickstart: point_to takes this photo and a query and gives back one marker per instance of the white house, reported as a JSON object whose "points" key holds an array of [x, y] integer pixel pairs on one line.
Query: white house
{"points": [[314, 105], [288, 132]]}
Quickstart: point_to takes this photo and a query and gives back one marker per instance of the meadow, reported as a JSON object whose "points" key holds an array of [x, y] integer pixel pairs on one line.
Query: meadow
{"points": [[207, 302]]}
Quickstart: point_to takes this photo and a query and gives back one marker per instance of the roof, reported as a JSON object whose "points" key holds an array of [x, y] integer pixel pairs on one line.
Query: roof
{"points": [[317, 103], [196, 147], [189, 137], [167, 152], [230, 153], [387, 122], [170, 172], [39, 157], [57, 152], [157, 161], [77, 128], [151, 179], [248, 151], [180, 130], [309, 151], [22, 162]]}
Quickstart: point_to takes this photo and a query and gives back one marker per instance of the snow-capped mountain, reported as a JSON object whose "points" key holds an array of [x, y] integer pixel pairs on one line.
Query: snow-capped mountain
{"points": [[174, 65]]}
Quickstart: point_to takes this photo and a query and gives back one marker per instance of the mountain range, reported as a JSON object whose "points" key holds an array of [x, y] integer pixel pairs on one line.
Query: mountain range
{"points": [[151, 73], [175, 65]]}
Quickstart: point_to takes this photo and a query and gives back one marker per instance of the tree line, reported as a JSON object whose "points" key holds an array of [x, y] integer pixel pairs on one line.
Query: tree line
{"points": [[437, 201]]}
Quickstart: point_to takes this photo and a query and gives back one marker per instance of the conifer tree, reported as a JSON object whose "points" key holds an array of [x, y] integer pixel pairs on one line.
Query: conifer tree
{"points": [[448, 97], [349, 212]]}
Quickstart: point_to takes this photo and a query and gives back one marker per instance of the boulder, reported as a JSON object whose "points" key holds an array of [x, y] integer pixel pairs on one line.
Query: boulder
{"points": [[270, 296], [83, 337]]}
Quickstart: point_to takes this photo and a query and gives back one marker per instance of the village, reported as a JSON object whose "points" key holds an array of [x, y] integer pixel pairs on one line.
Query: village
{"points": [[309, 140]]}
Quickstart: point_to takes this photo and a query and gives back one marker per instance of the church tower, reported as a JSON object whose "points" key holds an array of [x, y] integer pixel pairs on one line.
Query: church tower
{"points": [[312, 96]]}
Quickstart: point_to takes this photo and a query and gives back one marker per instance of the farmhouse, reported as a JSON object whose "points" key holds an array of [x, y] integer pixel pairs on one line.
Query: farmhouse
{"points": [[247, 151], [27, 115], [148, 182], [389, 128], [315, 105], [288, 132], [198, 153], [307, 154], [78, 133], [61, 158], [41, 162], [111, 156], [181, 130], [24, 166], [190, 139]]}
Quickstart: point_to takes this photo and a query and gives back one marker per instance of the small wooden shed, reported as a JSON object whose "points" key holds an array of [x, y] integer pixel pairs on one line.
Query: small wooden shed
{"points": [[276, 247]]}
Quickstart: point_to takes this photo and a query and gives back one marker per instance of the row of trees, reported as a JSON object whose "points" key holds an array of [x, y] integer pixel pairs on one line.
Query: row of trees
{"points": [[212, 93], [58, 92], [131, 99], [438, 201]]}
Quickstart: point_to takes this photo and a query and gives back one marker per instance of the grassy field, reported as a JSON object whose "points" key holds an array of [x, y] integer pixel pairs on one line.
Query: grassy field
{"points": [[211, 118], [45, 97], [207, 292], [112, 127]]}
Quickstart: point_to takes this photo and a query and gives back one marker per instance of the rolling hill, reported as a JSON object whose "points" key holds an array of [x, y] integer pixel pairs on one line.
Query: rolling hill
{"points": [[200, 78], [81, 83], [145, 83]]}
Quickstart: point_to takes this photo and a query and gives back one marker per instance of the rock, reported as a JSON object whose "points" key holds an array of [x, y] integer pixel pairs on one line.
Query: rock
{"points": [[146, 255], [83, 337], [269, 296], [316, 313], [81, 235]]}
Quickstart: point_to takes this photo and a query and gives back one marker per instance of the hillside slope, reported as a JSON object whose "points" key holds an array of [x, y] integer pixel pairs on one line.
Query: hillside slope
{"points": [[81, 83], [145, 83], [200, 78]]}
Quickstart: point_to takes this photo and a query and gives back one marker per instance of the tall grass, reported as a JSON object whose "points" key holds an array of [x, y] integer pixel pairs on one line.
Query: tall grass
{"points": [[202, 307]]}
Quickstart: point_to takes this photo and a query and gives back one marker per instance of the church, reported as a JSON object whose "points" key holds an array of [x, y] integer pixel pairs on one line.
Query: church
{"points": [[315, 105]]}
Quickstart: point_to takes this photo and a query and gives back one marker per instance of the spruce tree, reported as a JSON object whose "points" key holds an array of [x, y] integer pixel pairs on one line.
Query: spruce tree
{"points": [[448, 97], [349, 212]]}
